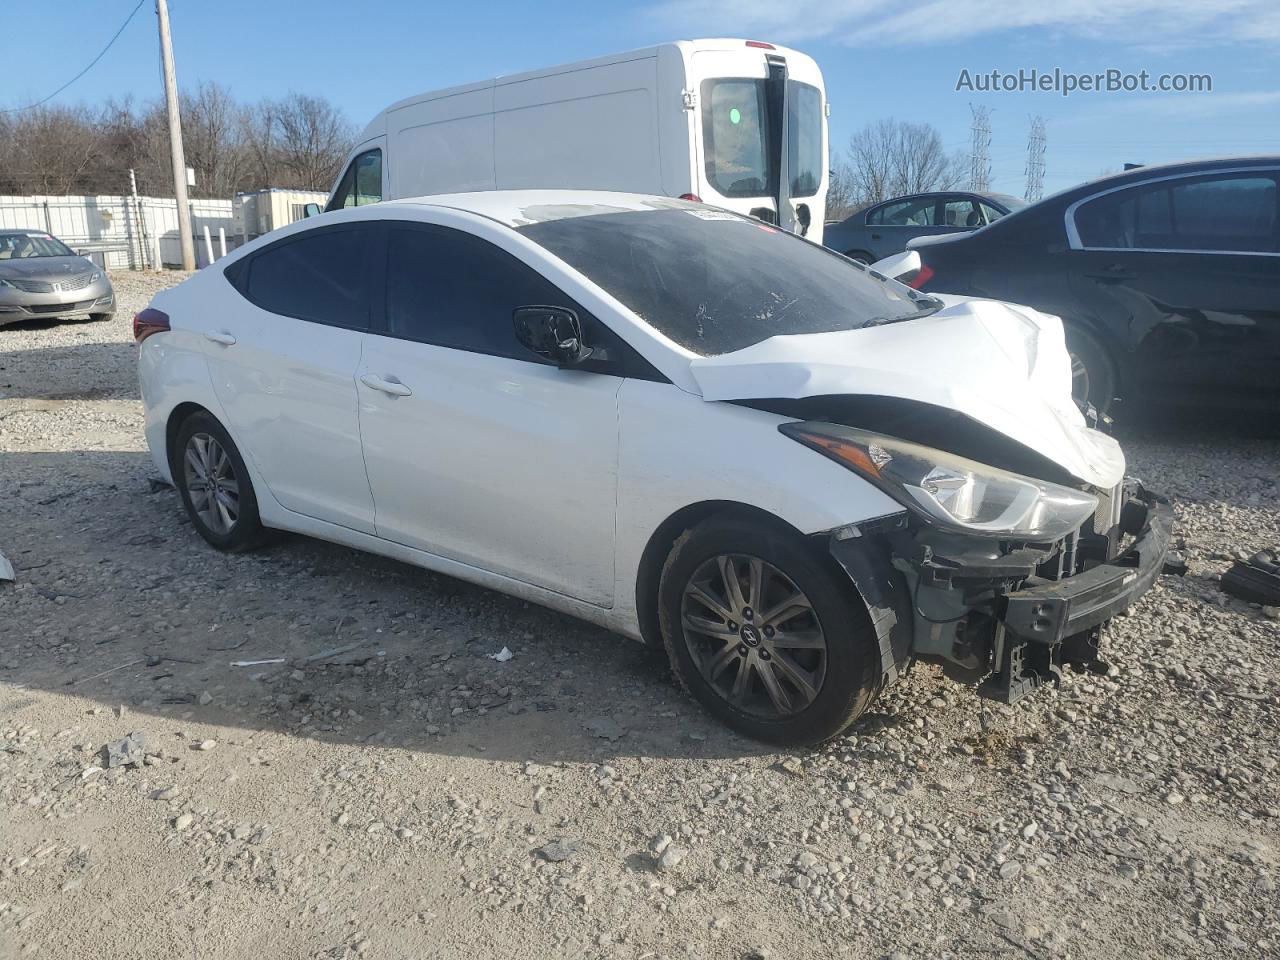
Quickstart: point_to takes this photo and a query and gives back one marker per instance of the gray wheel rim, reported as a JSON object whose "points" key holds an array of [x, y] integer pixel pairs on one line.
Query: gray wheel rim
{"points": [[754, 636], [211, 483], [1079, 378]]}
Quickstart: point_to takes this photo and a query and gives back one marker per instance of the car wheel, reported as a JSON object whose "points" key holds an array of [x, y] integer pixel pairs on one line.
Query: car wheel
{"points": [[860, 255], [100, 317], [1093, 378], [764, 634], [215, 485]]}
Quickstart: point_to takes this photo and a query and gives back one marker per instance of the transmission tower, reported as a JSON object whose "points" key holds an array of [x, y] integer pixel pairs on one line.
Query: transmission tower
{"points": [[1035, 160], [980, 151]]}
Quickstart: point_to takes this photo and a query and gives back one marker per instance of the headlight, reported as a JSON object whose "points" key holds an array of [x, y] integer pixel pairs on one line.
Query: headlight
{"points": [[949, 490], [6, 283], [97, 275]]}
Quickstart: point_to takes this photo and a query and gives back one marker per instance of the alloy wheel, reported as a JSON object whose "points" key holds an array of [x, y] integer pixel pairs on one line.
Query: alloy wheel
{"points": [[753, 635], [211, 483], [1079, 379]]}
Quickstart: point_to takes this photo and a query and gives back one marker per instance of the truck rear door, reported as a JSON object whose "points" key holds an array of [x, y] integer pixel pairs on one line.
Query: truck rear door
{"points": [[760, 139]]}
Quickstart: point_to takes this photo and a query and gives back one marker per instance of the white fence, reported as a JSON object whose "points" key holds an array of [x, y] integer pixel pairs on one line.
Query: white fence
{"points": [[134, 225]]}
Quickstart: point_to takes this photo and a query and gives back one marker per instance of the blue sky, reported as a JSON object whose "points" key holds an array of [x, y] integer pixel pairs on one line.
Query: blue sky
{"points": [[880, 58]]}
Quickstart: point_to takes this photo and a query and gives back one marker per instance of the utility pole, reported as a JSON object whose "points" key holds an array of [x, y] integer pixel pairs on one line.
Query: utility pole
{"points": [[1035, 160], [175, 139], [980, 150]]}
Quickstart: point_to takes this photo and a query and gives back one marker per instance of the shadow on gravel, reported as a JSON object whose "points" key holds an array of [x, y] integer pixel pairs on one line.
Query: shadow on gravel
{"points": [[77, 371], [117, 599]]}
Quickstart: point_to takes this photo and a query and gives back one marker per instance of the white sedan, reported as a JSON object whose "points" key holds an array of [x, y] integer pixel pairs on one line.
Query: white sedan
{"points": [[680, 423]]}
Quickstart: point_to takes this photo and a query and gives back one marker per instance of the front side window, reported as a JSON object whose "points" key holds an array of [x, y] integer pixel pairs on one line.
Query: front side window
{"points": [[1235, 213], [919, 212], [361, 184], [451, 289], [735, 137], [804, 138], [715, 282], [319, 276]]}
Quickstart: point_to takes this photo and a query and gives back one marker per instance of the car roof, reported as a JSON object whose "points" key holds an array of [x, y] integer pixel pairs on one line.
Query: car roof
{"points": [[517, 208]]}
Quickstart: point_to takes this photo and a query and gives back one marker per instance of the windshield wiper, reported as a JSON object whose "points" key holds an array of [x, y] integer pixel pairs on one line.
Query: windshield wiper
{"points": [[924, 307]]}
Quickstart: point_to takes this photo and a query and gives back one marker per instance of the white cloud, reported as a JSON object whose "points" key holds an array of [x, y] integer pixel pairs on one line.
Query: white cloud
{"points": [[860, 23]]}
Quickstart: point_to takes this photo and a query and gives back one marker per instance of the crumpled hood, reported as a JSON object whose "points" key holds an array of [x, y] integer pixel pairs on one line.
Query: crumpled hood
{"points": [[45, 268], [1005, 366]]}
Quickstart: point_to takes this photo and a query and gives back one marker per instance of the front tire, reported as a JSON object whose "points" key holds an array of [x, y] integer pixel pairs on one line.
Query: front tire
{"points": [[764, 634], [101, 317], [214, 483], [1093, 376]]}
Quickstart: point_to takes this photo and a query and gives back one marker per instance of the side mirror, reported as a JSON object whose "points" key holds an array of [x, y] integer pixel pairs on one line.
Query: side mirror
{"points": [[311, 210], [804, 218], [551, 332]]}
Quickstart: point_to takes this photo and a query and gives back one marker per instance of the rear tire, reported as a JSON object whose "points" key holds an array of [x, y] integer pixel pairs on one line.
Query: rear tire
{"points": [[1093, 375], [214, 483], [861, 256], [790, 658]]}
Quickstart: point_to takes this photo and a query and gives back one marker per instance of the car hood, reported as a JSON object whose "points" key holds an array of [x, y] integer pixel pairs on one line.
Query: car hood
{"points": [[1003, 366], [45, 268]]}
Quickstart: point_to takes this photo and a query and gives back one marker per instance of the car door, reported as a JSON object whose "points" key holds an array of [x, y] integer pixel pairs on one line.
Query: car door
{"points": [[892, 224], [283, 366], [1189, 266], [477, 450]]}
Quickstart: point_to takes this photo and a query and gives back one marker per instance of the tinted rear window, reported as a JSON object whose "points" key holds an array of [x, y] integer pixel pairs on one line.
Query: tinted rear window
{"points": [[715, 282], [318, 277]]}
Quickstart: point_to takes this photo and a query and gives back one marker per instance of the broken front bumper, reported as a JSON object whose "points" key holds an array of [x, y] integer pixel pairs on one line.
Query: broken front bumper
{"points": [[1050, 611]]}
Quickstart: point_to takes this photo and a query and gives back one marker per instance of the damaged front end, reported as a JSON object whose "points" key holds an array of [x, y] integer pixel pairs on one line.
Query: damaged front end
{"points": [[998, 577]]}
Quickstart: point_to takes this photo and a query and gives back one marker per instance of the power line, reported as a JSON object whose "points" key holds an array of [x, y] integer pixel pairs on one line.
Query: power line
{"points": [[92, 64]]}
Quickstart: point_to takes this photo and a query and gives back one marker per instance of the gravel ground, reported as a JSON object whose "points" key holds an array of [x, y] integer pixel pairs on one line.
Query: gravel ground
{"points": [[410, 797]]}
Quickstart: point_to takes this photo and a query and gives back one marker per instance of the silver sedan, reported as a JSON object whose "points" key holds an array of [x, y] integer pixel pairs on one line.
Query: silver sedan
{"points": [[41, 278]]}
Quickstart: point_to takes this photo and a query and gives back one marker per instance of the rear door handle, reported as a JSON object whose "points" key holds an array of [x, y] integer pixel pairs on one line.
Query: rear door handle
{"points": [[1115, 271], [388, 384], [220, 336]]}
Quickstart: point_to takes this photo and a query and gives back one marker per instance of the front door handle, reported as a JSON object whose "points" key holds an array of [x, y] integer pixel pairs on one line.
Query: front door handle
{"points": [[220, 336], [388, 384]]}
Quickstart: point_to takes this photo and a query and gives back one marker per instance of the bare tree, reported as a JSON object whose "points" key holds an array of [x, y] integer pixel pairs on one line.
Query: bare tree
{"points": [[890, 158], [314, 139], [213, 135], [50, 150], [842, 193], [299, 141]]}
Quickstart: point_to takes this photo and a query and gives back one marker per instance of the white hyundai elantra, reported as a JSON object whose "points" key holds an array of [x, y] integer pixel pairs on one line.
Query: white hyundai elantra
{"points": [[681, 423]]}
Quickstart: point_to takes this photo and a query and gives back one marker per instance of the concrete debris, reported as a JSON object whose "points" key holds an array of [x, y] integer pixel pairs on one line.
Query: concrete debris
{"points": [[129, 751]]}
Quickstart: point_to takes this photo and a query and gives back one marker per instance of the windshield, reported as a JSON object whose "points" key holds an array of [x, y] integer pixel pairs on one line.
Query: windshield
{"points": [[715, 282], [19, 246]]}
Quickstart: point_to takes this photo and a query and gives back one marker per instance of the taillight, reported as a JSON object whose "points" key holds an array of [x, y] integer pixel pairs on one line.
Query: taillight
{"points": [[922, 276], [761, 45], [690, 196], [149, 321]]}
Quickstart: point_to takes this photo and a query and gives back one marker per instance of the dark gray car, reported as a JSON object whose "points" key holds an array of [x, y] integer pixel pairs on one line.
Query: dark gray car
{"points": [[41, 278], [875, 231]]}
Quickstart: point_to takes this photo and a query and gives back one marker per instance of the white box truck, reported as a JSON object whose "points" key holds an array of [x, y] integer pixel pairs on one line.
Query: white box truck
{"points": [[737, 123]]}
